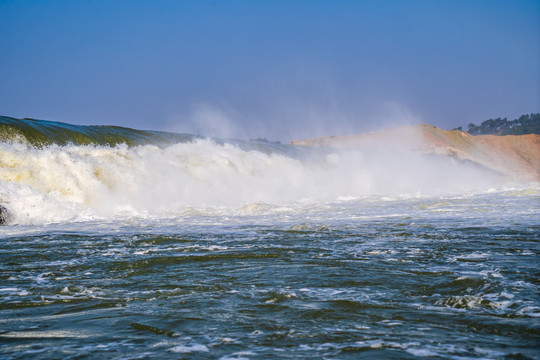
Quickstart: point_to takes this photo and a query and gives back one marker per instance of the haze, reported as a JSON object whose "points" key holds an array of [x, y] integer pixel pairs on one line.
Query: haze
{"points": [[274, 69]]}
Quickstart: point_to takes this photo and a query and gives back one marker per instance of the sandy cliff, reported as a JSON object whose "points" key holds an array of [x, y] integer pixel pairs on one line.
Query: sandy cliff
{"points": [[515, 156]]}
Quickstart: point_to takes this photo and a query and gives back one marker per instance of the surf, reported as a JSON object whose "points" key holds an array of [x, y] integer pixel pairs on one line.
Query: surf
{"points": [[55, 172]]}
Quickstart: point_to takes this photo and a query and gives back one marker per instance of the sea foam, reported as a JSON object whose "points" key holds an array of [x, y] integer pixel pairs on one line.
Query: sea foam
{"points": [[77, 182]]}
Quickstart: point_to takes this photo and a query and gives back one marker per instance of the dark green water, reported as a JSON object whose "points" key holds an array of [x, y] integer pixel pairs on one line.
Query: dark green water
{"points": [[453, 277], [43, 133]]}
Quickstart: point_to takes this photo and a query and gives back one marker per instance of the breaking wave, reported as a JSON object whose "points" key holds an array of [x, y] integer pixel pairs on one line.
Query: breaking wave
{"points": [[51, 172]]}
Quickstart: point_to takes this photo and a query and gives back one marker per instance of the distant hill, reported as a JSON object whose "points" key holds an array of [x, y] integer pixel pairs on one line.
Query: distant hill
{"points": [[526, 124]]}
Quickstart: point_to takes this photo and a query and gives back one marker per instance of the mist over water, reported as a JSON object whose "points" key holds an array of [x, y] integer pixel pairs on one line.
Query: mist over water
{"points": [[59, 183], [292, 118]]}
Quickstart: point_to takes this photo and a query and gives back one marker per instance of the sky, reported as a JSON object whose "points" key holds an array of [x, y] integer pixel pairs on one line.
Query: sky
{"points": [[275, 69]]}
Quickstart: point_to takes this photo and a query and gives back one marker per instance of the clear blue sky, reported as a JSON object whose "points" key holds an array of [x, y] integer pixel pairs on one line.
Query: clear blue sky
{"points": [[276, 69]]}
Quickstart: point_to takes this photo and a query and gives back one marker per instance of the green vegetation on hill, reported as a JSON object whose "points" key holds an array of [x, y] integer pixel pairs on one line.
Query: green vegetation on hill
{"points": [[526, 124]]}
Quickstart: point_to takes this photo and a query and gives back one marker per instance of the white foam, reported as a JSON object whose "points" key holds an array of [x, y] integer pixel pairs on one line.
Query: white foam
{"points": [[189, 349], [13, 291], [85, 183], [421, 352]]}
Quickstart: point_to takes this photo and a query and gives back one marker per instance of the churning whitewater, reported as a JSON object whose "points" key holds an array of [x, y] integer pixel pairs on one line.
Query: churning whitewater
{"points": [[122, 244], [82, 182]]}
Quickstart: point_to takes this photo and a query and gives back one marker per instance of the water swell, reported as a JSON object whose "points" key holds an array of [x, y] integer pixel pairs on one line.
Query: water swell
{"points": [[43, 133]]}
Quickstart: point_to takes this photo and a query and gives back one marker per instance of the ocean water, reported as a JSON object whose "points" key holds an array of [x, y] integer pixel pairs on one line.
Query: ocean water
{"points": [[245, 250]]}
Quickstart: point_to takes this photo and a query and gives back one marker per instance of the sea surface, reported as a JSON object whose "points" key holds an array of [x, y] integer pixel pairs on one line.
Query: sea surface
{"points": [[220, 249]]}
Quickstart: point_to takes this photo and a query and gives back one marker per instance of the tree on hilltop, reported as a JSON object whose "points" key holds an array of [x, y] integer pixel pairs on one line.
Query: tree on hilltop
{"points": [[525, 124]]}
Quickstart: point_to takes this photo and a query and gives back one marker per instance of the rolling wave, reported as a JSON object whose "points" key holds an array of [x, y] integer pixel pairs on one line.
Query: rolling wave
{"points": [[54, 172], [43, 133]]}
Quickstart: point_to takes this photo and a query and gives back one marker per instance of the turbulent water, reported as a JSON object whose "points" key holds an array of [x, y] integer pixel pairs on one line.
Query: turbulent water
{"points": [[182, 247]]}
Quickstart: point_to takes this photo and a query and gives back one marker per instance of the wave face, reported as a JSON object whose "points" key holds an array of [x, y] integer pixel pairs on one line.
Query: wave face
{"points": [[68, 181], [43, 133]]}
